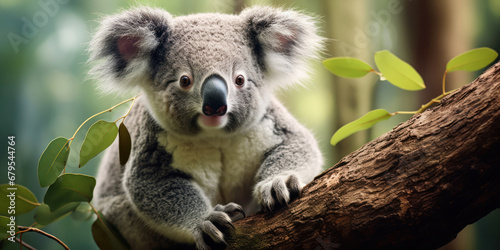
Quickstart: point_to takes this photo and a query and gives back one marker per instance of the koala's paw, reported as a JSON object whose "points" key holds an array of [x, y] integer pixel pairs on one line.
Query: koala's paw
{"points": [[210, 233], [277, 192]]}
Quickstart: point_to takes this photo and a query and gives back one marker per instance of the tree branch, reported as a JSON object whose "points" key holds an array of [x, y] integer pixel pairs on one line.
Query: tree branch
{"points": [[414, 187]]}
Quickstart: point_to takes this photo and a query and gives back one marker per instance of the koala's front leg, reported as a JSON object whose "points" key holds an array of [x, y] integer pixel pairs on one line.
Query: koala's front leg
{"points": [[176, 207], [285, 171]]}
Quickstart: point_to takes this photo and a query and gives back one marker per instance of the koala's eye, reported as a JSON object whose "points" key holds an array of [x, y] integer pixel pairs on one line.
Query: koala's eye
{"points": [[240, 80], [185, 81]]}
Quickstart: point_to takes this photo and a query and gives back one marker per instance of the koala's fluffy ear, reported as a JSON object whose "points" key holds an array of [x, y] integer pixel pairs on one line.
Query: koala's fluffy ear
{"points": [[283, 42], [127, 46]]}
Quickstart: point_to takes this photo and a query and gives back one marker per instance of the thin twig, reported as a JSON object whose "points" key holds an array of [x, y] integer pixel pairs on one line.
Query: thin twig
{"points": [[435, 100], [404, 113], [444, 82], [36, 230], [24, 244], [102, 112]]}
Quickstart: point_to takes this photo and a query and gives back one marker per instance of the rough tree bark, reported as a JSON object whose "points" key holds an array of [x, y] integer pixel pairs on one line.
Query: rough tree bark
{"points": [[414, 187]]}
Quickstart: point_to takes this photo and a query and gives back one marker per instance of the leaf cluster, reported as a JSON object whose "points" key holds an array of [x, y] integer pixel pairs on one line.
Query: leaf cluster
{"points": [[402, 75], [71, 193]]}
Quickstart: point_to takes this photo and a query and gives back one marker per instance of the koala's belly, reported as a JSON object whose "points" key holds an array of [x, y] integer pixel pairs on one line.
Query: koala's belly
{"points": [[224, 168]]}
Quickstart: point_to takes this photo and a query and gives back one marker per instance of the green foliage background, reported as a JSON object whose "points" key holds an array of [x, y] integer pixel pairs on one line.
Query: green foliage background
{"points": [[45, 93]]}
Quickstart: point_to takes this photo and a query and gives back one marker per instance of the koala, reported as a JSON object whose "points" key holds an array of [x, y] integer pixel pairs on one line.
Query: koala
{"points": [[210, 141]]}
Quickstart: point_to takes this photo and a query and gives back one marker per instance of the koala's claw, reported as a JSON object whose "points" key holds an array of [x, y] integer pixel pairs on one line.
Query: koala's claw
{"points": [[210, 233], [232, 209], [294, 187], [210, 230], [278, 192], [221, 220]]}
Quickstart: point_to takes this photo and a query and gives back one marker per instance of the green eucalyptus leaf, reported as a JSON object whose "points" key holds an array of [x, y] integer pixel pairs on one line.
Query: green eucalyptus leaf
{"points": [[6, 227], [53, 161], [398, 72], [69, 188], [347, 67], [82, 212], [124, 143], [472, 60], [44, 216], [25, 200], [106, 236], [365, 122], [99, 137]]}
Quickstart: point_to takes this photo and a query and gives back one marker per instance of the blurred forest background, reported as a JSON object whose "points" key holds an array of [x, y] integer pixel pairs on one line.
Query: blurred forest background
{"points": [[45, 92]]}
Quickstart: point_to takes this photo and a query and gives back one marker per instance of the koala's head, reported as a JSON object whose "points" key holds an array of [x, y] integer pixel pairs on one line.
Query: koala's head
{"points": [[206, 73]]}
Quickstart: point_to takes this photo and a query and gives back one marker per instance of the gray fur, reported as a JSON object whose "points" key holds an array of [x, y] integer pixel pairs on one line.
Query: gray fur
{"points": [[186, 177]]}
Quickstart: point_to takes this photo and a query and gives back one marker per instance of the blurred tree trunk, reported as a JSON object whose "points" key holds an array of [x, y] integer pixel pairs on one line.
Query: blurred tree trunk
{"points": [[438, 31], [353, 97]]}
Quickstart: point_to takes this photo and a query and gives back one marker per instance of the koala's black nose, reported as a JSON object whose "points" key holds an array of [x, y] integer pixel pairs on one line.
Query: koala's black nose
{"points": [[214, 93]]}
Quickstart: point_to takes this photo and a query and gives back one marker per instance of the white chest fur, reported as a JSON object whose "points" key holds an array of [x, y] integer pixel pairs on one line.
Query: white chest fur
{"points": [[224, 167]]}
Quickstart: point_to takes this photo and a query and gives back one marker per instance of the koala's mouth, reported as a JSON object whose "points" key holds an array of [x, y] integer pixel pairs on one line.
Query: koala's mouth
{"points": [[212, 122]]}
